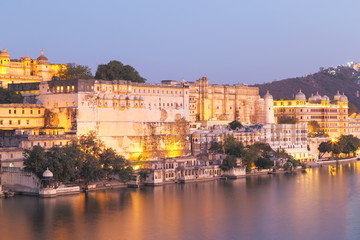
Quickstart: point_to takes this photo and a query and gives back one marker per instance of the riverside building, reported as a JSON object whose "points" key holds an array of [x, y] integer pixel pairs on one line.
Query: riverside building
{"points": [[290, 137], [332, 115]]}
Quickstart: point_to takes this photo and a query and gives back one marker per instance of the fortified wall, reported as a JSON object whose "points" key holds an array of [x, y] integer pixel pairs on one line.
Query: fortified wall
{"points": [[139, 120]]}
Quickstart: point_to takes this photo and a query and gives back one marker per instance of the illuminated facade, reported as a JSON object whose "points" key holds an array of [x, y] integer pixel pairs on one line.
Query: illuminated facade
{"points": [[21, 116], [212, 102], [332, 116], [139, 120], [25, 69], [290, 137]]}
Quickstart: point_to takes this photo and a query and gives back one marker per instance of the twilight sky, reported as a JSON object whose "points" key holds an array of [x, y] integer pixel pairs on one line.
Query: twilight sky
{"points": [[231, 41]]}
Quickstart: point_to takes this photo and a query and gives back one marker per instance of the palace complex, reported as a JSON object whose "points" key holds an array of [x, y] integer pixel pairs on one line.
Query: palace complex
{"points": [[213, 102], [26, 70], [332, 115], [146, 121]]}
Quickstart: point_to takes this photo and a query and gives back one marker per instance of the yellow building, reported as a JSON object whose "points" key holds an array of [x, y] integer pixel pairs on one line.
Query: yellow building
{"points": [[21, 116], [213, 102], [332, 115], [26, 70]]}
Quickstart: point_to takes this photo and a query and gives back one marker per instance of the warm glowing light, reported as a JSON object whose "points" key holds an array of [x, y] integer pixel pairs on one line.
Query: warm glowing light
{"points": [[136, 167]]}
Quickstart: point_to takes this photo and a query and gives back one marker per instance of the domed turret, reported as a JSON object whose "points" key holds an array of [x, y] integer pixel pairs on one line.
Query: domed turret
{"points": [[300, 96], [42, 58], [27, 58], [4, 54], [268, 95], [48, 173], [325, 98], [317, 97], [343, 98], [311, 98], [337, 96]]}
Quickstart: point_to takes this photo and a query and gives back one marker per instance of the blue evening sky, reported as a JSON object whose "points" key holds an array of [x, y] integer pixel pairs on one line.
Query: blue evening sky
{"points": [[229, 41]]}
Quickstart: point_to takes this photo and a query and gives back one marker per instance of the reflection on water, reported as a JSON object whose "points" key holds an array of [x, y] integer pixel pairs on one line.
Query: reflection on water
{"points": [[320, 204]]}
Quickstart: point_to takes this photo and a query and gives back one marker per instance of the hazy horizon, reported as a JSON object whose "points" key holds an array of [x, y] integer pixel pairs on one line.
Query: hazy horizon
{"points": [[231, 42]]}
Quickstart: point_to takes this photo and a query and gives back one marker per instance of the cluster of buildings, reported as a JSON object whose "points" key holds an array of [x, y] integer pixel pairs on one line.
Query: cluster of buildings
{"points": [[146, 121]]}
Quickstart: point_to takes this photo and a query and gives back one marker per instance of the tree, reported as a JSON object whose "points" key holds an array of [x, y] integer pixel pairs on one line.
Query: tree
{"points": [[264, 162], [87, 159], [62, 162], [114, 164], [249, 157], [235, 125], [115, 70], [232, 146], [324, 147], [228, 163], [264, 149], [35, 160], [348, 144], [74, 71], [10, 96], [216, 147], [287, 120]]}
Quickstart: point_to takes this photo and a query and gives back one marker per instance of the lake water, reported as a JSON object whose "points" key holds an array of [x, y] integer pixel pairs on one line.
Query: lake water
{"points": [[320, 204]]}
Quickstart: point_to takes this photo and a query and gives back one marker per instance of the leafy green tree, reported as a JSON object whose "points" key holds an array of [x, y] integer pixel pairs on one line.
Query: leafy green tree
{"points": [[264, 162], [91, 170], [62, 162], [228, 163], [235, 124], [114, 164], [10, 96], [324, 147], [75, 71], [35, 160], [91, 145], [348, 144], [250, 155], [232, 146], [291, 164], [264, 149], [216, 147], [115, 70]]}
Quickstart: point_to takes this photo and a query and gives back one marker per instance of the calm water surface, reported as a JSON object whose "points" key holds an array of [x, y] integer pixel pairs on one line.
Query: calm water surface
{"points": [[320, 204]]}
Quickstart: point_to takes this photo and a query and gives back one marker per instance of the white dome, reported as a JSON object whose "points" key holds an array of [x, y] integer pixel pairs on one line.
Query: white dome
{"points": [[325, 98], [317, 97], [343, 98], [300, 96], [4, 54], [337, 96], [48, 173], [268, 95]]}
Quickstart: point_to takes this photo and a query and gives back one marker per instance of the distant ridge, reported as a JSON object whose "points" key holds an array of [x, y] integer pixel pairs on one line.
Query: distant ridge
{"points": [[346, 79]]}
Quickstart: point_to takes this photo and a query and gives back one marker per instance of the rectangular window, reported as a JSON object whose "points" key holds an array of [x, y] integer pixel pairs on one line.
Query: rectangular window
{"points": [[10, 122], [19, 122], [23, 111], [1, 122], [27, 122], [9, 111], [14, 111], [39, 111], [31, 111]]}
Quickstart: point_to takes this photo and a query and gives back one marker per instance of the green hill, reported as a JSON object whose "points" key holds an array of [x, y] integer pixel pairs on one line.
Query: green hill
{"points": [[345, 79]]}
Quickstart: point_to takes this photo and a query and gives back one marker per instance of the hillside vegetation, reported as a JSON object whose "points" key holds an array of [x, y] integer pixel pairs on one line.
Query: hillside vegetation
{"points": [[327, 82]]}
